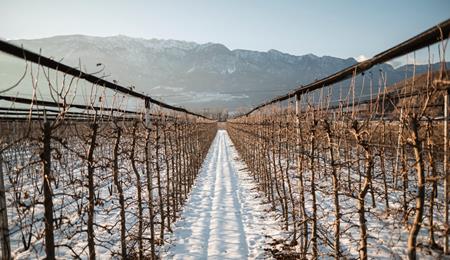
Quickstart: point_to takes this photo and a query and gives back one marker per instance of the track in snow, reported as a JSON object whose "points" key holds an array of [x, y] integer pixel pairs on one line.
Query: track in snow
{"points": [[224, 217]]}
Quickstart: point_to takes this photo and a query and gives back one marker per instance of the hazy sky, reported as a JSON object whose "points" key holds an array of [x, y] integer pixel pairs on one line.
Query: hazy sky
{"points": [[334, 27]]}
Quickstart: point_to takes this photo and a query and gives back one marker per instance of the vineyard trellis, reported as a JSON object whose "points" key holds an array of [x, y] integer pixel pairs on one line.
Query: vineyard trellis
{"points": [[353, 175], [108, 177], [99, 179]]}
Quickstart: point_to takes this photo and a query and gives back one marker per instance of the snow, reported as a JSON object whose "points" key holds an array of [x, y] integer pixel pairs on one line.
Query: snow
{"points": [[70, 201], [225, 216]]}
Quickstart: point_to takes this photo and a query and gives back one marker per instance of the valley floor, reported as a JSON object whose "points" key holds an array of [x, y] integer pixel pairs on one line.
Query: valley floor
{"points": [[225, 216]]}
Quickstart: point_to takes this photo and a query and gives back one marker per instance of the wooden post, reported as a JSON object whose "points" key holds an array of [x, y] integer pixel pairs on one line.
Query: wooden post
{"points": [[4, 236], [48, 201]]}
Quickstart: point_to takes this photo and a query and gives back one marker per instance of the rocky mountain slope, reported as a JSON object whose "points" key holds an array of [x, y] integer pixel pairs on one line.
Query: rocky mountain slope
{"points": [[190, 74]]}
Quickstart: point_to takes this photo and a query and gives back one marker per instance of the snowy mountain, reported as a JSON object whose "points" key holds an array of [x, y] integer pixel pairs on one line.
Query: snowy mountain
{"points": [[190, 74]]}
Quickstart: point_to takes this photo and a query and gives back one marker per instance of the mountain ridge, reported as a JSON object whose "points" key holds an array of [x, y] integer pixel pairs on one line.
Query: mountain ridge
{"points": [[191, 74]]}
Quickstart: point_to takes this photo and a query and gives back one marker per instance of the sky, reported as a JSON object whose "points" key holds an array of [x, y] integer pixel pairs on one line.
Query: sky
{"points": [[340, 28]]}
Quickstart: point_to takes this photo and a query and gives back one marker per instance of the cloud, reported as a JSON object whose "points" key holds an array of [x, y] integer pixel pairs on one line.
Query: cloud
{"points": [[395, 63], [361, 58]]}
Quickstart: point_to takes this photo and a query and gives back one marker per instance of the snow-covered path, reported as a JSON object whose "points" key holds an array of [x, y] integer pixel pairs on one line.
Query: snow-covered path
{"points": [[224, 217]]}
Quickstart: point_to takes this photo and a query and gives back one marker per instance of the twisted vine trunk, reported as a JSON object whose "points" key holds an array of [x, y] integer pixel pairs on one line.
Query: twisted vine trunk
{"points": [[432, 170], [337, 214], [361, 203], [118, 184], [315, 248], [368, 163], [168, 179], [139, 193], [158, 181], [150, 192], [302, 212], [91, 191], [420, 197]]}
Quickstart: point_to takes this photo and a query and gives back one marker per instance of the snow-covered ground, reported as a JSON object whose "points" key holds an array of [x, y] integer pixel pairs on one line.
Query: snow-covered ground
{"points": [[225, 216]]}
